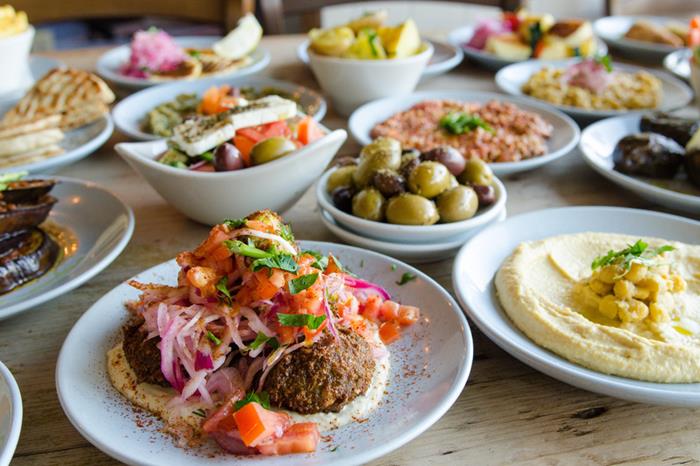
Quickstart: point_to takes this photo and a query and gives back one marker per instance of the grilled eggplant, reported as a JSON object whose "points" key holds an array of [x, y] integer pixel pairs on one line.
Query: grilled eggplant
{"points": [[692, 166], [15, 217], [673, 127], [648, 154], [26, 191], [25, 256]]}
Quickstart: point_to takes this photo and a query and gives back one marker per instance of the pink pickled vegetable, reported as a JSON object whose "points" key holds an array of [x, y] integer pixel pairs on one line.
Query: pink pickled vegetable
{"points": [[153, 51]]}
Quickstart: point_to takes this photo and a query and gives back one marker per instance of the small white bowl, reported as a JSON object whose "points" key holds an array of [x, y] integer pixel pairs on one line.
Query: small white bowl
{"points": [[417, 234], [351, 82], [212, 197], [10, 415], [14, 60]]}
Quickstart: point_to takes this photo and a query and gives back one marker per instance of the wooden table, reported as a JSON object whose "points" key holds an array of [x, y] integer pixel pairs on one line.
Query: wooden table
{"points": [[508, 412]]}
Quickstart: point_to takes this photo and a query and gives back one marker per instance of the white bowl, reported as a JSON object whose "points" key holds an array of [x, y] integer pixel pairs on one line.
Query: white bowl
{"points": [[565, 134], [212, 197], [10, 415], [350, 82], [14, 60], [417, 234], [678, 63], [612, 29]]}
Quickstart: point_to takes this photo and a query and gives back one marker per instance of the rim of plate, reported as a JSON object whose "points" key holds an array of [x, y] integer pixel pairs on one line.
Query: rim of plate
{"points": [[372, 112], [673, 61], [531, 66], [600, 28], [419, 427], [548, 362], [260, 59], [94, 270], [16, 424], [179, 87], [629, 182]]}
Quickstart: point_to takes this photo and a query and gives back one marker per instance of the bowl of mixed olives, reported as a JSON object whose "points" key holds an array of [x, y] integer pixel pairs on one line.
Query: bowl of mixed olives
{"points": [[396, 194]]}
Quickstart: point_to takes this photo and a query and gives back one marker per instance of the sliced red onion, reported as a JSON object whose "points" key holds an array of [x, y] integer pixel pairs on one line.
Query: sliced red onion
{"points": [[232, 444], [255, 323], [286, 246], [359, 284], [203, 361], [253, 369], [329, 317]]}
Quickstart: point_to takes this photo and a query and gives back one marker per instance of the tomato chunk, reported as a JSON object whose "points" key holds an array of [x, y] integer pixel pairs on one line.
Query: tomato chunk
{"points": [[389, 332], [389, 310], [257, 424], [298, 438], [309, 131], [408, 315], [371, 307]]}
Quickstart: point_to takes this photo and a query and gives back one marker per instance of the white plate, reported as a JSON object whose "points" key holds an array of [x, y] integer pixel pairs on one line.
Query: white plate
{"points": [[413, 253], [460, 36], [676, 93], [474, 288], [110, 63], [38, 67], [597, 144], [445, 57], [102, 225], [10, 415], [564, 137], [612, 30], [412, 404], [678, 63], [129, 113], [77, 144]]}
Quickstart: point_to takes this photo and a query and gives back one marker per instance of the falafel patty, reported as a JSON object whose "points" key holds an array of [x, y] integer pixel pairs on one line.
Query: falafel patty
{"points": [[143, 355]]}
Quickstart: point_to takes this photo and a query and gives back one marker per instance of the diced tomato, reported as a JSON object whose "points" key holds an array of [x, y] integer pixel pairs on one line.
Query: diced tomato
{"points": [[370, 309], [276, 128], [389, 332], [252, 133], [389, 310], [693, 37], [511, 20], [695, 22], [257, 424], [408, 315], [309, 131], [298, 438], [204, 279], [265, 289], [210, 101], [244, 146], [286, 335], [333, 266]]}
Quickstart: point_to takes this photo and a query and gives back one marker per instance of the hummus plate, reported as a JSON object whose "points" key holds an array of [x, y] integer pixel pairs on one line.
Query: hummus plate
{"points": [[474, 287]]}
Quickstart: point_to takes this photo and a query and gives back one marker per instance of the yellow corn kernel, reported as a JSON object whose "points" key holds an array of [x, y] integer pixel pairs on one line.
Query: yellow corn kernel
{"points": [[624, 289], [654, 282], [608, 306], [636, 273], [607, 274], [658, 313], [633, 311], [641, 293], [678, 284], [600, 287]]}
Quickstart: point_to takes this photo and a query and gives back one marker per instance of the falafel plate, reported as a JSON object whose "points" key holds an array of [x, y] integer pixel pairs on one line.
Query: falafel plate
{"points": [[263, 347]]}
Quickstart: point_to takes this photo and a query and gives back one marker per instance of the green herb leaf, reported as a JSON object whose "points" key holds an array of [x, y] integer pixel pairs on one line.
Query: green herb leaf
{"points": [[208, 156], [309, 321], [262, 398], [248, 250], [7, 178], [235, 222], [194, 53], [393, 267], [260, 339], [405, 278], [321, 260], [460, 123], [299, 284], [213, 338], [638, 252], [199, 412], [286, 232], [284, 262], [222, 287], [606, 61]]}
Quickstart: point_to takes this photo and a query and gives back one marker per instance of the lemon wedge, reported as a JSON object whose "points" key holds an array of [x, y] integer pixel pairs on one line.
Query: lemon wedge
{"points": [[241, 40]]}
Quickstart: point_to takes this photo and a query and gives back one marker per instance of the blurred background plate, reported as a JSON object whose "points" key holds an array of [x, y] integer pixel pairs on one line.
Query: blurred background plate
{"points": [[10, 415]]}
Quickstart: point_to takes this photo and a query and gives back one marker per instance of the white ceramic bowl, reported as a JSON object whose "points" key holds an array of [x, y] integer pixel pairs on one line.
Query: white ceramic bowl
{"points": [[416, 234], [350, 83], [678, 63], [210, 198], [10, 415], [612, 30], [14, 60]]}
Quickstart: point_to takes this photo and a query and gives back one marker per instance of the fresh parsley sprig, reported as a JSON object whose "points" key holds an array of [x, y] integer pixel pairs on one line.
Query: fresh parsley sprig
{"points": [[299, 284], [405, 278], [262, 398], [460, 123], [638, 252], [606, 61], [309, 321]]}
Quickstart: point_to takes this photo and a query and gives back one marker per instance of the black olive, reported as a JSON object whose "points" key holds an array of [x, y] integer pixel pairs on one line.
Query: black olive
{"points": [[648, 154], [448, 156], [342, 198], [485, 194], [227, 158], [389, 183]]}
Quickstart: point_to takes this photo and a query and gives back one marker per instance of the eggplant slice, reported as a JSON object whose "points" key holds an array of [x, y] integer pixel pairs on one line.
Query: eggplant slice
{"points": [[25, 257], [26, 191], [15, 217]]}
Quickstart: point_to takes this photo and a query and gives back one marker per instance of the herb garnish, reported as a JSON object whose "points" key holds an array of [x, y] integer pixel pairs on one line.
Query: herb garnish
{"points": [[309, 321], [7, 178], [405, 278], [213, 338], [222, 287], [535, 36], [393, 267], [638, 252], [460, 123], [235, 222], [248, 250], [208, 156], [371, 37], [261, 339], [299, 284], [199, 412], [321, 260], [194, 53], [606, 61], [262, 398], [284, 262]]}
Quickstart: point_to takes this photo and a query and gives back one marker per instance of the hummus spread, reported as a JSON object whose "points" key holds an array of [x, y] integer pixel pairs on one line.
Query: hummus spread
{"points": [[638, 318]]}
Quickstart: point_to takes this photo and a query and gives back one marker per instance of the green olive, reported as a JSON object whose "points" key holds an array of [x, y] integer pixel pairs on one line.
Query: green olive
{"points": [[429, 179], [382, 145], [453, 182], [341, 178], [369, 203], [476, 172], [411, 209], [271, 149], [459, 203], [383, 153]]}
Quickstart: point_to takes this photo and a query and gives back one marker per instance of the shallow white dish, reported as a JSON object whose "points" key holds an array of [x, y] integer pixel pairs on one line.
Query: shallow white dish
{"points": [[38, 67], [445, 57], [678, 63], [460, 36], [416, 234], [10, 415], [413, 253], [110, 63], [612, 30], [474, 289], [129, 113], [211, 198], [412, 405], [676, 93], [597, 144], [102, 225], [564, 136]]}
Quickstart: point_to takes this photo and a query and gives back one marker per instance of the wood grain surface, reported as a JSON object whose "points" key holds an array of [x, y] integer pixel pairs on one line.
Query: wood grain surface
{"points": [[507, 414]]}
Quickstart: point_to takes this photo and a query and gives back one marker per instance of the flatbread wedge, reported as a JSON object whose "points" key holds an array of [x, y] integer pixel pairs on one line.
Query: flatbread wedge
{"points": [[29, 142], [31, 156]]}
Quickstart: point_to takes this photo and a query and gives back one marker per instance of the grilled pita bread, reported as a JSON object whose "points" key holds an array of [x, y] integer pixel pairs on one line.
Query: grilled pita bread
{"points": [[29, 142], [31, 156], [28, 127], [78, 96]]}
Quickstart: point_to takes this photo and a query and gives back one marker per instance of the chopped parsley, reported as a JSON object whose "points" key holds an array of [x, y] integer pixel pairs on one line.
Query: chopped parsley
{"points": [[286, 232], [222, 287], [393, 267], [638, 252], [7, 178], [606, 61], [262, 398], [321, 261], [199, 412], [284, 262], [309, 321], [213, 338], [207, 156], [248, 250], [405, 278], [261, 339], [299, 284], [460, 123], [235, 222]]}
